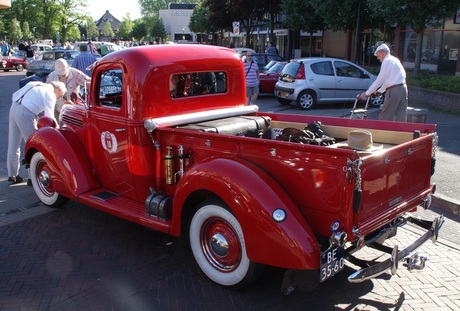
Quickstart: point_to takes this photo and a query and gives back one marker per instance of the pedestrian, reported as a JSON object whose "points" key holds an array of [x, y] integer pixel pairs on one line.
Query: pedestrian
{"points": [[91, 47], [27, 103], [272, 50], [72, 78], [83, 60], [251, 70], [30, 52], [392, 81], [5, 48]]}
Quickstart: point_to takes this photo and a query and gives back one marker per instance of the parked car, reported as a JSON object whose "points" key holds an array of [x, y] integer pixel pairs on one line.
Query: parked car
{"points": [[17, 61], [269, 78], [262, 59], [44, 64], [243, 50], [39, 47], [309, 81]]}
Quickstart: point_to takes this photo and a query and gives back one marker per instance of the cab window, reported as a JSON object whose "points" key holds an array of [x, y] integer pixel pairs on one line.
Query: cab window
{"points": [[110, 88], [197, 83]]}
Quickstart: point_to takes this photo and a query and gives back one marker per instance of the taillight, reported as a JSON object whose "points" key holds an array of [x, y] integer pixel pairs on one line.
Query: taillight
{"points": [[301, 73]]}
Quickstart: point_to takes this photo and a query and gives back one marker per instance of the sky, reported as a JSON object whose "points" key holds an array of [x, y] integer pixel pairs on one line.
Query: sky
{"points": [[118, 8]]}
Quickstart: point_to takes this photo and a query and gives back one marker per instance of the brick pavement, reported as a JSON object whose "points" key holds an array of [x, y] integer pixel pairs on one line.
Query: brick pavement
{"points": [[78, 258]]}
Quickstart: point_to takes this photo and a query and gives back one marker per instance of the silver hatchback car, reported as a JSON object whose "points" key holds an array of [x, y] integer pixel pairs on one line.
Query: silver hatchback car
{"points": [[309, 81]]}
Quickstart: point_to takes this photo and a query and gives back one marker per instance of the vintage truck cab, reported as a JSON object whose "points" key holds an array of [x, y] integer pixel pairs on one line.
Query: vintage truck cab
{"points": [[164, 139]]}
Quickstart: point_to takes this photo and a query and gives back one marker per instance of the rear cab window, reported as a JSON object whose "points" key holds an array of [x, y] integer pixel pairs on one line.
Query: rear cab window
{"points": [[197, 83]]}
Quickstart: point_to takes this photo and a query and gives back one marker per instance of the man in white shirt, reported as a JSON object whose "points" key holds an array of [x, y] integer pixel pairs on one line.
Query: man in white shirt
{"points": [[28, 102], [392, 81], [72, 78]]}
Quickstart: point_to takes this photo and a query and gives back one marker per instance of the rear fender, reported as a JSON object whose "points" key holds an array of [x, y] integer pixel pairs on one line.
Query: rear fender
{"points": [[70, 168], [253, 196]]}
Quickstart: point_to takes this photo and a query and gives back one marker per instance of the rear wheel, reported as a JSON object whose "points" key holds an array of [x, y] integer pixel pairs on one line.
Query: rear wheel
{"points": [[42, 183], [306, 100], [19, 67], [376, 101], [217, 242]]}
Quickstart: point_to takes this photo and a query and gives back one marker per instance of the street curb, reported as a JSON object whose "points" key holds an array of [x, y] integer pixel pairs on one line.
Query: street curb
{"points": [[445, 203]]}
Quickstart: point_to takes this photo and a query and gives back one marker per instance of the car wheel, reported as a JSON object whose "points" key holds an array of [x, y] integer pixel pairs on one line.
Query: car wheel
{"points": [[6, 70], [217, 243], [19, 67], [376, 101], [283, 101], [306, 100], [42, 183]]}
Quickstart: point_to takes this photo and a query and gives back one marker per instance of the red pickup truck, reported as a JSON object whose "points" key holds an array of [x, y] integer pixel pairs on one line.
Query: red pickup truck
{"points": [[164, 139]]}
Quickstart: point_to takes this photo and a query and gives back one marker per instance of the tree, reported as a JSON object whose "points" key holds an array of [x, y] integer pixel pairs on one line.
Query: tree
{"points": [[199, 21], [139, 29], [296, 18], [15, 32], [126, 26], [272, 7], [418, 14], [348, 15], [107, 30], [26, 30], [91, 30], [157, 30]]}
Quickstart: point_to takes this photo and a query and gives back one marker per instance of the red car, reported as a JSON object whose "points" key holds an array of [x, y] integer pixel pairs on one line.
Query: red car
{"points": [[17, 61], [269, 78]]}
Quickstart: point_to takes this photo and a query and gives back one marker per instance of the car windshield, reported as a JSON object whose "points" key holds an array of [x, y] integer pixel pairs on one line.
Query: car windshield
{"points": [[276, 68]]}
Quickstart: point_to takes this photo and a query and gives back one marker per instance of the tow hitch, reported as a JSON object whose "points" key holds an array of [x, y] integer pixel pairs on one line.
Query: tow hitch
{"points": [[411, 261]]}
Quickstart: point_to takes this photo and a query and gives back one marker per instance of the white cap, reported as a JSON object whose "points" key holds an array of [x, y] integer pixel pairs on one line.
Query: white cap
{"points": [[382, 47], [61, 67]]}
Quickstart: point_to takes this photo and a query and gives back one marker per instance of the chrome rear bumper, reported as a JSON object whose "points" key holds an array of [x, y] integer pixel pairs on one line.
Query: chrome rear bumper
{"points": [[396, 255]]}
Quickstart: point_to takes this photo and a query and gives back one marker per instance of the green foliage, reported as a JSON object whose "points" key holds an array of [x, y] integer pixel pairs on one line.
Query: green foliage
{"points": [[91, 30], [15, 32], [157, 29], [107, 30], [139, 29], [199, 21], [435, 82], [126, 26]]}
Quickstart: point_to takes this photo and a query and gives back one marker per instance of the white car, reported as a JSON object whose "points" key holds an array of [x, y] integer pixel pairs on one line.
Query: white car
{"points": [[313, 80]]}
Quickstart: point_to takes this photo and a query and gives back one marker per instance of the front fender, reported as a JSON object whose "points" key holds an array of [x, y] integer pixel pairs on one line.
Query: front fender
{"points": [[70, 168], [253, 196]]}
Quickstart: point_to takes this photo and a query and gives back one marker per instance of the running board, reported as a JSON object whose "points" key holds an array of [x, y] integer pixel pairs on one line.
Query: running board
{"points": [[397, 256]]}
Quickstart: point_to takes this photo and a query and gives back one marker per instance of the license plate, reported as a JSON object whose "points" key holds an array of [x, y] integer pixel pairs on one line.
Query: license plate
{"points": [[332, 262]]}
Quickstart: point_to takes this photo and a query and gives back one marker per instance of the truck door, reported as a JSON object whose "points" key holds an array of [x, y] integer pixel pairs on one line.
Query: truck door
{"points": [[109, 132]]}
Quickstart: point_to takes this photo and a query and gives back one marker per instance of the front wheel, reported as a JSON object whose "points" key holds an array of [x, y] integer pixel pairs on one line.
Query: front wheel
{"points": [[217, 243], [42, 183], [306, 100]]}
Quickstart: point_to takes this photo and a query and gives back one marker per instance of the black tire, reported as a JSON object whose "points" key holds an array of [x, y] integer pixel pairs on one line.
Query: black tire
{"points": [[211, 227], [42, 184], [306, 100], [19, 67], [283, 101]]}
